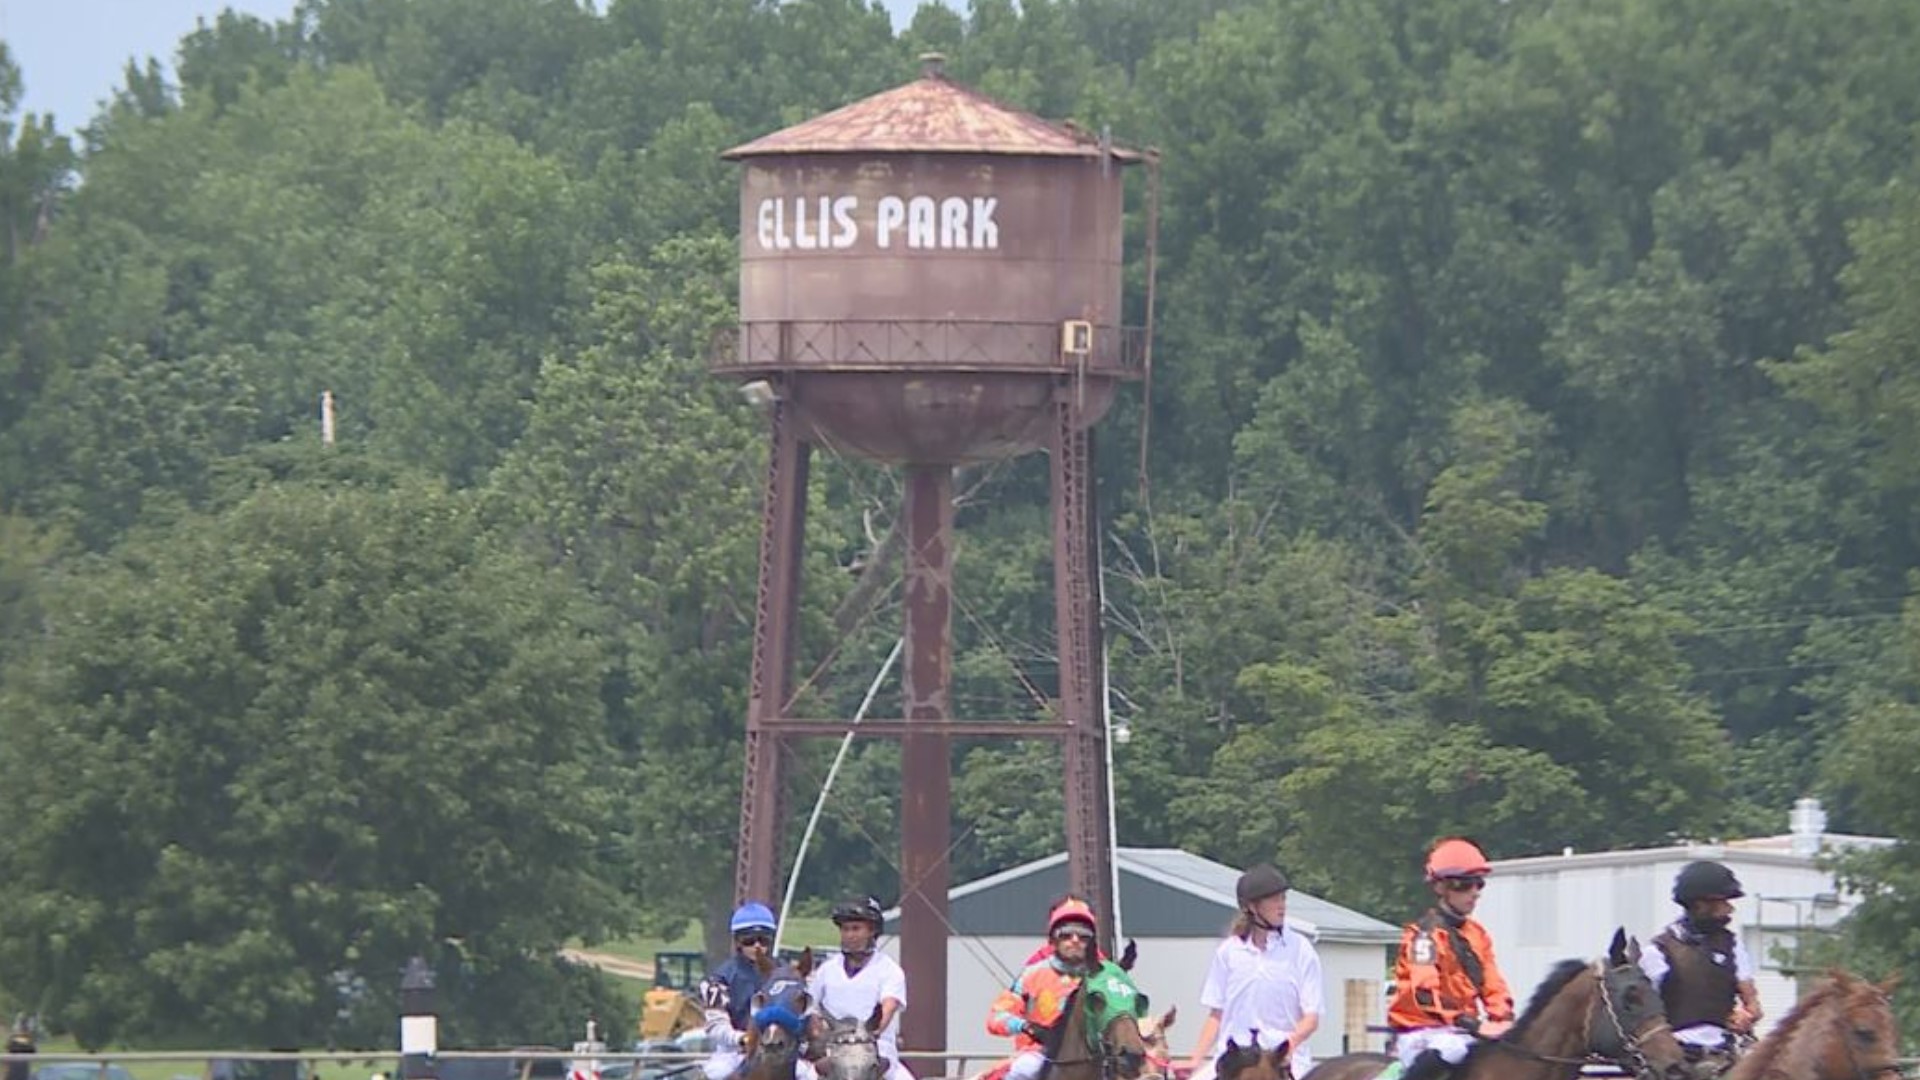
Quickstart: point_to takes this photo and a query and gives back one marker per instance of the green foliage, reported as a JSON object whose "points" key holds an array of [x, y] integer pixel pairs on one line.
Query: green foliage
{"points": [[1532, 456], [288, 746]]}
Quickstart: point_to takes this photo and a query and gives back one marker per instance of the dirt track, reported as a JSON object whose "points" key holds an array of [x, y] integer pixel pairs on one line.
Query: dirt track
{"points": [[611, 964]]}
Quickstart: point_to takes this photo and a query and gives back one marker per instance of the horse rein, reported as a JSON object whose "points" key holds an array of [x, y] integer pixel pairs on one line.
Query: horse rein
{"points": [[1629, 1044]]}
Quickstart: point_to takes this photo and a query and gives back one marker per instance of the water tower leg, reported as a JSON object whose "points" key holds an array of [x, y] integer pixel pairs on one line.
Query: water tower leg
{"points": [[783, 523], [1082, 705], [925, 817]]}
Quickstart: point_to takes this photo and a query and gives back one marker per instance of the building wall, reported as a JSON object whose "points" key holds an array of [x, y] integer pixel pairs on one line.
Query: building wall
{"points": [[1541, 916], [1169, 971]]}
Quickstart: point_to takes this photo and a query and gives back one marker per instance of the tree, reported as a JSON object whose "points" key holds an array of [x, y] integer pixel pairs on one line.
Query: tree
{"points": [[269, 753]]}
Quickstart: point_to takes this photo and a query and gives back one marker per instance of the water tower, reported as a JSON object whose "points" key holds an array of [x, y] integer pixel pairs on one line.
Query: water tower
{"points": [[929, 278]]}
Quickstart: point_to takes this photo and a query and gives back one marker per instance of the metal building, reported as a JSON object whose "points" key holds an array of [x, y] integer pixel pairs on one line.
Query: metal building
{"points": [[1548, 908], [1176, 906]]}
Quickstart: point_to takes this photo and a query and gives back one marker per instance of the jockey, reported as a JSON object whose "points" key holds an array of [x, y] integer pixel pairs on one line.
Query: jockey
{"points": [[1446, 983], [1263, 985], [1703, 971], [1033, 1005], [861, 977], [1046, 947], [728, 991]]}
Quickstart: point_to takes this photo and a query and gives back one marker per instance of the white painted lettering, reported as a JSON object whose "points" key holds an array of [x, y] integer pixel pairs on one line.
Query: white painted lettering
{"points": [[765, 217], [892, 214], [920, 211], [953, 222], [780, 238], [845, 232], [802, 239], [986, 232]]}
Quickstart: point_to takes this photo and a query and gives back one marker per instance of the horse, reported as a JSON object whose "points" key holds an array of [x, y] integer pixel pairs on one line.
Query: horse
{"points": [[1842, 1030], [1098, 1037], [775, 1028], [1608, 1009], [1252, 1062], [848, 1047]]}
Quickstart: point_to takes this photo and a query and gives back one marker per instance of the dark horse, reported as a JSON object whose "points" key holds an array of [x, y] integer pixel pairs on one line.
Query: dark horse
{"points": [[776, 1026], [1842, 1030], [1610, 1010], [1251, 1062]]}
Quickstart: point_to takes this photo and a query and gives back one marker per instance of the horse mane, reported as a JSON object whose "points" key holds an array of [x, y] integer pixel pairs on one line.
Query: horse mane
{"points": [[1760, 1059], [1563, 973]]}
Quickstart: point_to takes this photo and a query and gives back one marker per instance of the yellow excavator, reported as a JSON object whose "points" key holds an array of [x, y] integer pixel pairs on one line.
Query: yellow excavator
{"points": [[669, 1007]]}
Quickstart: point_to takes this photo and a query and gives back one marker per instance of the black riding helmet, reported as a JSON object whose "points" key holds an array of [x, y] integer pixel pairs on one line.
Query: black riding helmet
{"points": [[1260, 882], [859, 909], [1705, 880]]}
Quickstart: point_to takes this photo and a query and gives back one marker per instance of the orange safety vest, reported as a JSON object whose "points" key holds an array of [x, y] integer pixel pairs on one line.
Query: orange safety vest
{"points": [[1446, 971]]}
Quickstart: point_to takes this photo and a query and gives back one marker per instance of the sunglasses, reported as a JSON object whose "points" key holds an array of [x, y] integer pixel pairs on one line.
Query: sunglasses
{"points": [[761, 940], [1469, 884], [1082, 935]]}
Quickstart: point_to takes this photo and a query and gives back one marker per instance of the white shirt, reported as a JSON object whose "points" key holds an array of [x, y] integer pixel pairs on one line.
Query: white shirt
{"points": [[1268, 990], [1653, 961], [838, 994]]}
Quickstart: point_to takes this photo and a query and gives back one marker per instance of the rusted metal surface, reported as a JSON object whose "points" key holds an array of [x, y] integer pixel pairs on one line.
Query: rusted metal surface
{"points": [[1077, 623], [925, 780], [951, 417], [899, 727], [931, 115], [890, 345], [782, 527], [930, 278]]}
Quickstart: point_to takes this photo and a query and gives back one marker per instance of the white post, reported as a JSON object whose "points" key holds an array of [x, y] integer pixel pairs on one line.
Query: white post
{"points": [[326, 418]]}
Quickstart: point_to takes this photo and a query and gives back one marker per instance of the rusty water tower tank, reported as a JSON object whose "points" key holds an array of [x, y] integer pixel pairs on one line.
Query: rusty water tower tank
{"points": [[923, 264], [929, 278]]}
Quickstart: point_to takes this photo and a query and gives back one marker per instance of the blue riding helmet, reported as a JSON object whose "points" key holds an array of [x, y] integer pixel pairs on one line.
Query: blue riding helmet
{"points": [[751, 915]]}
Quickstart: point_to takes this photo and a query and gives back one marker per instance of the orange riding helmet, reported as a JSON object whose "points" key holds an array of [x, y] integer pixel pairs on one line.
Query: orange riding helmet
{"points": [[1455, 857]]}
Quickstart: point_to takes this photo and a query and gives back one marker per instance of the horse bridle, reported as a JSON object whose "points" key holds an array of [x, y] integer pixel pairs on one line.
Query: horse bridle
{"points": [[1629, 1044]]}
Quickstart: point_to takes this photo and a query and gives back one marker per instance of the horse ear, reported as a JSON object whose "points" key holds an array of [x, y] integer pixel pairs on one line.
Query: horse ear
{"points": [[873, 1020], [1166, 1019], [1617, 952], [1633, 950], [1231, 1045], [1887, 984], [1129, 955], [805, 965]]}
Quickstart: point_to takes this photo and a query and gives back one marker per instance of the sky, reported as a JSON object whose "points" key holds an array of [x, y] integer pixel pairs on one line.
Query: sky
{"points": [[72, 52]]}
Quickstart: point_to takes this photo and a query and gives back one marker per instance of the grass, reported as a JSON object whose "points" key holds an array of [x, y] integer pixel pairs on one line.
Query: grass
{"points": [[801, 931], [343, 1068]]}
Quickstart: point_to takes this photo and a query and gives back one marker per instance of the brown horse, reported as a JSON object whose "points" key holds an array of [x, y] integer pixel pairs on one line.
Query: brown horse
{"points": [[1580, 1010], [1842, 1030], [1116, 1052], [1251, 1062]]}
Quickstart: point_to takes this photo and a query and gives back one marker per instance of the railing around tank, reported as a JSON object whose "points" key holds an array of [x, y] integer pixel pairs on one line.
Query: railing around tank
{"points": [[951, 345]]}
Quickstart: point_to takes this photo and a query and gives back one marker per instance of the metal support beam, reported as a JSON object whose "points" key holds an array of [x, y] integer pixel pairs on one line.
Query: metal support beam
{"points": [[1077, 616], [925, 803], [900, 728], [782, 525]]}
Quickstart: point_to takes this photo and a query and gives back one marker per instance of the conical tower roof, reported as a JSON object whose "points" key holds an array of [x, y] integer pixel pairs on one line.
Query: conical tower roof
{"points": [[931, 115]]}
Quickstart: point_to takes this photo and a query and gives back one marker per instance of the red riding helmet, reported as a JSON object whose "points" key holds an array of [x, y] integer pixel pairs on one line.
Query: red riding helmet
{"points": [[1070, 912]]}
